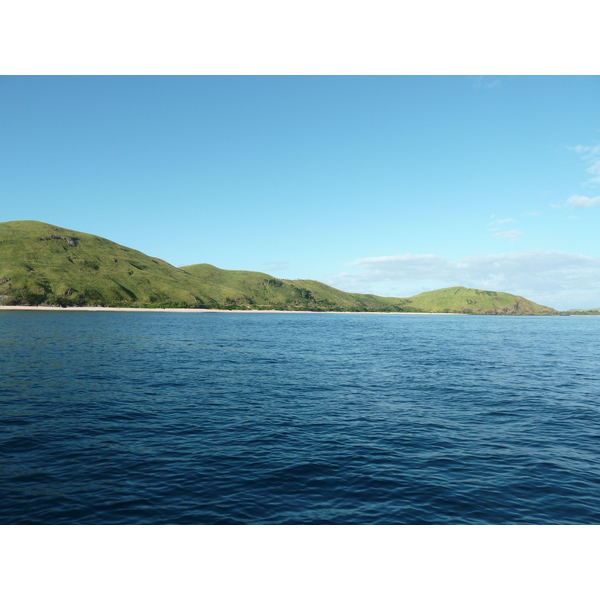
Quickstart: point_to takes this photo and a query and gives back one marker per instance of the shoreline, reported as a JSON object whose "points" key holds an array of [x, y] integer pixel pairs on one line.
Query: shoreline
{"points": [[254, 311], [211, 310]]}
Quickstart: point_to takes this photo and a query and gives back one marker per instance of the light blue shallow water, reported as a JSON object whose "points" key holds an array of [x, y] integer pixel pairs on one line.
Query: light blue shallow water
{"points": [[298, 418]]}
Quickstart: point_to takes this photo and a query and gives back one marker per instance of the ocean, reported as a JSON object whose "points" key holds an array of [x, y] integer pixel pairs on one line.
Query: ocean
{"points": [[262, 418]]}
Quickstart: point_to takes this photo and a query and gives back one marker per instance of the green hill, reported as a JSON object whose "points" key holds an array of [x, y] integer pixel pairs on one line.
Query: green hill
{"points": [[265, 291], [466, 300], [42, 264]]}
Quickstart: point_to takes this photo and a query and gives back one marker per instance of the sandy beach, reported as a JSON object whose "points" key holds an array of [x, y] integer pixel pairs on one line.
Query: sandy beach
{"points": [[205, 310]]}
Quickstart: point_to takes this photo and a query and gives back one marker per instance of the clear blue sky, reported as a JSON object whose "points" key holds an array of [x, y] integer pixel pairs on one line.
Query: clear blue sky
{"points": [[389, 185]]}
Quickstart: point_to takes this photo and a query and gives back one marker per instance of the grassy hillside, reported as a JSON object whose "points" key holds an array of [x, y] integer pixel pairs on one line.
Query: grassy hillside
{"points": [[266, 291], [466, 300], [42, 264], [45, 264]]}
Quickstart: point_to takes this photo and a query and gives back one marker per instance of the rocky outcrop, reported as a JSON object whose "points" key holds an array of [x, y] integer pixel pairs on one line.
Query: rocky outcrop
{"points": [[67, 240]]}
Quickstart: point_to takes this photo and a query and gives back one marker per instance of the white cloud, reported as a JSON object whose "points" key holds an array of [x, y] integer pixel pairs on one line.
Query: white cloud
{"points": [[591, 156], [553, 278], [512, 235], [582, 201], [587, 150], [501, 221], [594, 169], [277, 265], [487, 82]]}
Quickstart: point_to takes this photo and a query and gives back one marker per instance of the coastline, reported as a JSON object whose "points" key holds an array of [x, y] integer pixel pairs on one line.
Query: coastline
{"points": [[210, 310]]}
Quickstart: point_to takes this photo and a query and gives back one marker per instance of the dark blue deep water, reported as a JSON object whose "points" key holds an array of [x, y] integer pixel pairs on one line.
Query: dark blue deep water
{"points": [[209, 418]]}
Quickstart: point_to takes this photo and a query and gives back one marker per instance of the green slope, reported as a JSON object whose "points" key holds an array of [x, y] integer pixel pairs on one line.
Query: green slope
{"points": [[466, 300], [46, 264], [266, 292], [270, 292]]}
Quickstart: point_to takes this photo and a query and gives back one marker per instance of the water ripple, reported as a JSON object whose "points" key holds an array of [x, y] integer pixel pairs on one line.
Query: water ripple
{"points": [[295, 418]]}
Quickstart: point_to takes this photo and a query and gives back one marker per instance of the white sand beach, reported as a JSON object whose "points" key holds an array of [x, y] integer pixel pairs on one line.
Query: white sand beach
{"points": [[204, 310]]}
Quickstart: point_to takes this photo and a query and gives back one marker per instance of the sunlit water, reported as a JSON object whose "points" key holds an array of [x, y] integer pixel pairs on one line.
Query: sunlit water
{"points": [[298, 418]]}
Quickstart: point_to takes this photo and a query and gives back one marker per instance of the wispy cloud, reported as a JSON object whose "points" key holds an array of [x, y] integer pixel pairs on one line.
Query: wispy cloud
{"points": [[277, 265], [586, 150], [487, 82], [591, 156], [502, 221], [553, 278], [595, 171], [582, 201], [512, 235]]}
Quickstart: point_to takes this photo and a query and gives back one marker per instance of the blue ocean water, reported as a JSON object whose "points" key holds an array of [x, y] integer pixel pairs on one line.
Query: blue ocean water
{"points": [[216, 418]]}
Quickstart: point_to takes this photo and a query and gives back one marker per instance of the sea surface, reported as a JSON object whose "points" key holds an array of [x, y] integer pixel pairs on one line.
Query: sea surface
{"points": [[240, 418]]}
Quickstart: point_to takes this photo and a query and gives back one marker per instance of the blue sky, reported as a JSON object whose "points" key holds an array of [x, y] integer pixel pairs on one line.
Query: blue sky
{"points": [[391, 185]]}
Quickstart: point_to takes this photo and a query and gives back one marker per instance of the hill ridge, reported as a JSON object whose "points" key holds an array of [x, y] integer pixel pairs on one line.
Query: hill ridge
{"points": [[44, 264]]}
